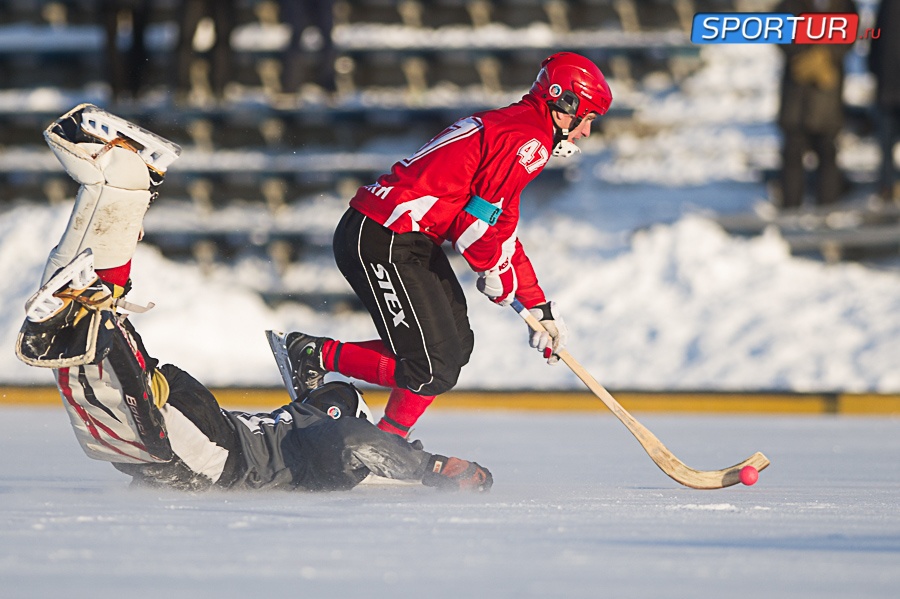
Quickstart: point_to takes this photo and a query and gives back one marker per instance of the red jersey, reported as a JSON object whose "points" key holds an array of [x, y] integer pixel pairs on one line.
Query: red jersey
{"points": [[492, 155]]}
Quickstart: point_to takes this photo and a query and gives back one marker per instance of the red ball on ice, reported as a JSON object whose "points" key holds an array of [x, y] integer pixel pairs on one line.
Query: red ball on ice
{"points": [[749, 475]]}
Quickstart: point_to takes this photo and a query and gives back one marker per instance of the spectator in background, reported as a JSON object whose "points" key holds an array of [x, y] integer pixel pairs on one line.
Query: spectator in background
{"points": [[311, 22], [191, 13], [884, 58], [126, 67], [812, 108]]}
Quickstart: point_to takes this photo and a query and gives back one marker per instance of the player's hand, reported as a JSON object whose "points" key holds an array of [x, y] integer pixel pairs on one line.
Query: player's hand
{"points": [[556, 333], [499, 285]]}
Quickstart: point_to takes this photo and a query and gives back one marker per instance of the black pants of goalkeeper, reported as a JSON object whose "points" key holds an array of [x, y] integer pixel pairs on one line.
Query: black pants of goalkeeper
{"points": [[294, 447]]}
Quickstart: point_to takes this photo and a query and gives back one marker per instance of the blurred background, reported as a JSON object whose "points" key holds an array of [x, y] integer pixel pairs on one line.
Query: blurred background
{"points": [[669, 241]]}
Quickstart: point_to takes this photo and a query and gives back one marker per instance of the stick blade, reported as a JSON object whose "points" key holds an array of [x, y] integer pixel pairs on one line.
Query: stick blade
{"points": [[713, 479]]}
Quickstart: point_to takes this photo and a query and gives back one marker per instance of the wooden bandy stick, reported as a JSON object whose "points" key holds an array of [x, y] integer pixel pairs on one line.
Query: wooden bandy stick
{"points": [[659, 453]]}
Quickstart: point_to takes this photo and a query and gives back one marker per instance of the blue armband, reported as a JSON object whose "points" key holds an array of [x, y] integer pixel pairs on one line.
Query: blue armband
{"points": [[481, 209]]}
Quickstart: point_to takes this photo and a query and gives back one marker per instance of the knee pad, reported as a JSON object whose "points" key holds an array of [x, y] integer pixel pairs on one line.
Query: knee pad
{"points": [[117, 164]]}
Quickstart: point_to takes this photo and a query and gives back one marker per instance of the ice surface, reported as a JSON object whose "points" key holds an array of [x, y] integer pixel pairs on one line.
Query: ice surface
{"points": [[577, 510]]}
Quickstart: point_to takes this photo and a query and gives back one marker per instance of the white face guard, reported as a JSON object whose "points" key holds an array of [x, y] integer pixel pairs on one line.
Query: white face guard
{"points": [[565, 148]]}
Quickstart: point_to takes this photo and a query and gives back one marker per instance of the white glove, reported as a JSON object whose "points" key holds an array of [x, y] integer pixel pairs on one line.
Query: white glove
{"points": [[499, 284], [556, 332]]}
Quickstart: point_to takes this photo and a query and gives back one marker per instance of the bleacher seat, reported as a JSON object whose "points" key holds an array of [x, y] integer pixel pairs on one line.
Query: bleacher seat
{"points": [[406, 68]]}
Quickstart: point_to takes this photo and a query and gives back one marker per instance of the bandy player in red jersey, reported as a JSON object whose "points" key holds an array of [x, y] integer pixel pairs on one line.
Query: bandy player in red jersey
{"points": [[463, 186]]}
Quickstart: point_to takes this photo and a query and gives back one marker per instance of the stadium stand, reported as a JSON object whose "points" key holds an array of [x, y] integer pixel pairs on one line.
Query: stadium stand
{"points": [[403, 67]]}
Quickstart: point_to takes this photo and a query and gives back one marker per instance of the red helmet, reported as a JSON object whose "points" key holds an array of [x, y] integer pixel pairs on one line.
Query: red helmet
{"points": [[572, 84]]}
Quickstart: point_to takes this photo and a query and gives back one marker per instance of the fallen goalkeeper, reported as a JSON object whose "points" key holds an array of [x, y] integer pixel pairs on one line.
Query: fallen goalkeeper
{"points": [[157, 423]]}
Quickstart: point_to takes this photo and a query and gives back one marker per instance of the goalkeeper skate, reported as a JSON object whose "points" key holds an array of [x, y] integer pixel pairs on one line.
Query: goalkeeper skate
{"points": [[88, 123], [62, 319], [48, 301]]}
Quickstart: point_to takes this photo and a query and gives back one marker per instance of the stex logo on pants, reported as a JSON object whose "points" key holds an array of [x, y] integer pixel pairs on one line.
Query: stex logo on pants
{"points": [[391, 301]]}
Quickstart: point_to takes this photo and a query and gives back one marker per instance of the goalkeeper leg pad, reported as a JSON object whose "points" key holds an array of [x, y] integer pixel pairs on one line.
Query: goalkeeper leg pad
{"points": [[66, 318], [118, 165]]}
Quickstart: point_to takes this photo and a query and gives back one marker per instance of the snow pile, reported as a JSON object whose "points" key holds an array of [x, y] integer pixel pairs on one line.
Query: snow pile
{"points": [[690, 307], [685, 306], [715, 126]]}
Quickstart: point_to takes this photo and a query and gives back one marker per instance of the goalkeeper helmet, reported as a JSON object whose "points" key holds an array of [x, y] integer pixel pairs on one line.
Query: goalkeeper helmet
{"points": [[339, 400]]}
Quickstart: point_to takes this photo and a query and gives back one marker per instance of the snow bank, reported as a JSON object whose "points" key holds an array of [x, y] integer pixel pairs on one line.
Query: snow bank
{"points": [[684, 306]]}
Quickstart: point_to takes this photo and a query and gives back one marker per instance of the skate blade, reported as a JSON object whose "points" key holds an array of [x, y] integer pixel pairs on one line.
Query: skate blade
{"points": [[78, 274], [279, 352]]}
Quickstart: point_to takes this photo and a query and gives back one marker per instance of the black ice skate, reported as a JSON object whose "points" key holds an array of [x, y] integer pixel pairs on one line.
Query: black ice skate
{"points": [[62, 319], [299, 358], [454, 474], [305, 353]]}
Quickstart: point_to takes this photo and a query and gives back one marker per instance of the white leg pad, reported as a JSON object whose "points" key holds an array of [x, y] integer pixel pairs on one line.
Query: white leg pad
{"points": [[109, 209], [115, 183], [97, 164], [107, 220]]}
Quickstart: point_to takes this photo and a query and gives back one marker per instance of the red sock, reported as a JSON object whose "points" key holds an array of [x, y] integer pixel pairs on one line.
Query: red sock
{"points": [[117, 275], [368, 361], [403, 410]]}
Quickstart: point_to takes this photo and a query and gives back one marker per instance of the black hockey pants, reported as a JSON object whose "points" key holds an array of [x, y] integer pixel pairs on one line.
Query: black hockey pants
{"points": [[296, 446], [208, 428], [407, 284]]}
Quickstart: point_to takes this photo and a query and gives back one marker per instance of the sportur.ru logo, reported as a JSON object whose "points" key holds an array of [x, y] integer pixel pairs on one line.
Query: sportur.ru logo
{"points": [[777, 28]]}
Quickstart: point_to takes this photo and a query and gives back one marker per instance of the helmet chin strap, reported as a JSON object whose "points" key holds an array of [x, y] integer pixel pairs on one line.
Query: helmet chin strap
{"points": [[563, 148]]}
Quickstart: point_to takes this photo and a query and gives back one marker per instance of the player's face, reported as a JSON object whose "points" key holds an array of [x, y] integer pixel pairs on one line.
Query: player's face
{"points": [[583, 129]]}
